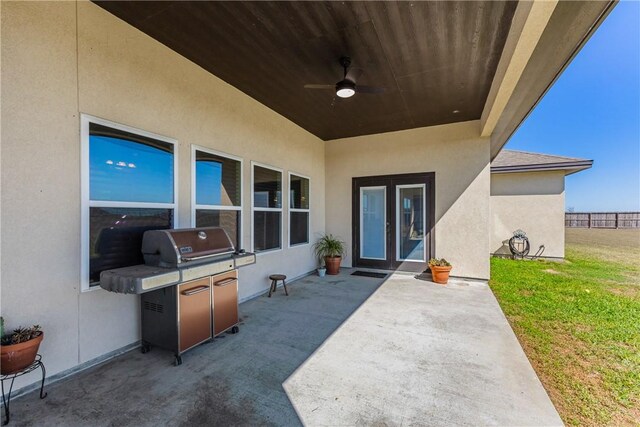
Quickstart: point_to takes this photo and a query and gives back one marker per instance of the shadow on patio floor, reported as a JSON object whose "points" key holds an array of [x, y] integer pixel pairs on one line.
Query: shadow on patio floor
{"points": [[236, 380]]}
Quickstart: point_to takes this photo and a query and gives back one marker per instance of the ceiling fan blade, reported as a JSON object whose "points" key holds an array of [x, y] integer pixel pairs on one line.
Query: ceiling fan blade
{"points": [[353, 74], [320, 87], [369, 89]]}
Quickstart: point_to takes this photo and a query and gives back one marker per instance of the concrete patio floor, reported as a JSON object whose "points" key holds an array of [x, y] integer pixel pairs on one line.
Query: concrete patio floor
{"points": [[340, 350]]}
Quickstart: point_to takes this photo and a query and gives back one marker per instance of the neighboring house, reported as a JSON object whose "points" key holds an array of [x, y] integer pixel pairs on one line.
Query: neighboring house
{"points": [[527, 193], [120, 116]]}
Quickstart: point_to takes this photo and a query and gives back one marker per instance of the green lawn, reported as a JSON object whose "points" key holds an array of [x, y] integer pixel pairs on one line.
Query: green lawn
{"points": [[579, 323]]}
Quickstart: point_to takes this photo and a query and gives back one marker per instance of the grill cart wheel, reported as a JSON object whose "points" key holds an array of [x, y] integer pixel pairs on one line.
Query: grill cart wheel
{"points": [[235, 330], [178, 361]]}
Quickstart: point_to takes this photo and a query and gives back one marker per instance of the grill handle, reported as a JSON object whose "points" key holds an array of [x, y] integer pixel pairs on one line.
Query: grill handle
{"points": [[194, 291], [225, 282], [194, 258]]}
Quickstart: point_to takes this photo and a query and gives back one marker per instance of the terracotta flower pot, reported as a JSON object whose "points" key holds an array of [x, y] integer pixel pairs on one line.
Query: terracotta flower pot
{"points": [[18, 356], [440, 274], [332, 264]]}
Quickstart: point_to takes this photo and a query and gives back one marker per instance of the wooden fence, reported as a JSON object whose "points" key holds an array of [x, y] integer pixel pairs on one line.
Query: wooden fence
{"points": [[602, 219]]}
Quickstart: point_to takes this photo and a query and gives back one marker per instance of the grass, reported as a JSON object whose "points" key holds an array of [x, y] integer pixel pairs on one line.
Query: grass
{"points": [[579, 324]]}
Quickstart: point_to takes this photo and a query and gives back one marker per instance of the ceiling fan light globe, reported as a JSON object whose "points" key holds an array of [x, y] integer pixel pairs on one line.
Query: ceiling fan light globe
{"points": [[345, 92], [345, 89]]}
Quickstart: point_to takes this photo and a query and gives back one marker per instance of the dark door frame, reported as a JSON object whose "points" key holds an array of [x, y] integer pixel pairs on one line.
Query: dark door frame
{"points": [[390, 181]]}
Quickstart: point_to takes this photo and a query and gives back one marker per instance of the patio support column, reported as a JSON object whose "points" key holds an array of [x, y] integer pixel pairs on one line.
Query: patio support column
{"points": [[529, 22]]}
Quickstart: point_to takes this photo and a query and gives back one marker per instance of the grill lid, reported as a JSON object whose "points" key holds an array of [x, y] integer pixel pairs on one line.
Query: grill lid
{"points": [[177, 248]]}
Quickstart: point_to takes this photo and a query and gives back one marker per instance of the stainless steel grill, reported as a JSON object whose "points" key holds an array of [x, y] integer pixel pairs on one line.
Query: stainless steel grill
{"points": [[179, 248], [175, 256], [189, 287]]}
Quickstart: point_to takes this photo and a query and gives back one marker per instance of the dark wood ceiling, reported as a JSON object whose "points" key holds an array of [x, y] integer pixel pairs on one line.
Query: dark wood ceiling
{"points": [[433, 58]]}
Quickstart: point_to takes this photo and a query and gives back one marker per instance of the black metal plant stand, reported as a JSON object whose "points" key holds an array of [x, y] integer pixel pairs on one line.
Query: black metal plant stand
{"points": [[6, 399]]}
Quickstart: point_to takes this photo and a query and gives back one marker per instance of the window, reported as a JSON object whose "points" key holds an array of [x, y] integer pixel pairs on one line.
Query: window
{"points": [[266, 208], [217, 192], [128, 187], [298, 210]]}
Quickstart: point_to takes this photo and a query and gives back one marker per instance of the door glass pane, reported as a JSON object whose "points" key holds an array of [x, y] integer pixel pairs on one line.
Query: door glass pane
{"points": [[373, 223], [411, 223]]}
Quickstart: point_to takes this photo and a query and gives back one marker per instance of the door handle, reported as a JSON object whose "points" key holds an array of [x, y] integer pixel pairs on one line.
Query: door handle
{"points": [[225, 282], [194, 291]]}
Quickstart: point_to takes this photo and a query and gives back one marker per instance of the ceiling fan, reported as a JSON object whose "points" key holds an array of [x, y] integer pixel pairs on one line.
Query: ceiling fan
{"points": [[347, 87]]}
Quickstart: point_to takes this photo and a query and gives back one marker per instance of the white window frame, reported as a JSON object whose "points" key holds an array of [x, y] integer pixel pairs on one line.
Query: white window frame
{"points": [[86, 203], [258, 209], [424, 222], [361, 213], [195, 206], [292, 209]]}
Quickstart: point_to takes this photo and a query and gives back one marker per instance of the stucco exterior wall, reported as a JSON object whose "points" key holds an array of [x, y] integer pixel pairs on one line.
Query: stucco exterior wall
{"points": [[460, 159], [532, 202], [60, 59]]}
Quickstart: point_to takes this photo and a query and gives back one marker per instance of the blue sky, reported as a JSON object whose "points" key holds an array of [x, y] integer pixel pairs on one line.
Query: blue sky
{"points": [[593, 112]]}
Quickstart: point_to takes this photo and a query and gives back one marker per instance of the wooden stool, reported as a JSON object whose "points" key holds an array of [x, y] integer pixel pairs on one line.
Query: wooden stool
{"points": [[274, 283]]}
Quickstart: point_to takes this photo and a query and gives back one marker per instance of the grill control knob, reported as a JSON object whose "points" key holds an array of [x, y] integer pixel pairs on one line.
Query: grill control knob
{"points": [[202, 235]]}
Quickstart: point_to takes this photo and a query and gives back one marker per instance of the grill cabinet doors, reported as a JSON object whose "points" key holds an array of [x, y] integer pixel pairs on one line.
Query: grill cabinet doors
{"points": [[180, 317], [225, 301], [195, 312]]}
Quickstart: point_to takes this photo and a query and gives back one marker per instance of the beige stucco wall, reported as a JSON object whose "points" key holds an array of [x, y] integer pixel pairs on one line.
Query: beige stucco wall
{"points": [[532, 202], [61, 59], [460, 159]]}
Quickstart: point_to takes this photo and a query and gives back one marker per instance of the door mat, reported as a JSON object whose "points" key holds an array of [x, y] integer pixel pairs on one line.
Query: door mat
{"points": [[369, 274]]}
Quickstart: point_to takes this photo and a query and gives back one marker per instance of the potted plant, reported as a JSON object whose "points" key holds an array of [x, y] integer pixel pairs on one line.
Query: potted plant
{"points": [[322, 270], [331, 250], [440, 269], [19, 348]]}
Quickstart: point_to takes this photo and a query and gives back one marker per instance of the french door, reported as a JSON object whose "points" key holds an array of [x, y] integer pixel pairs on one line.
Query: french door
{"points": [[393, 221]]}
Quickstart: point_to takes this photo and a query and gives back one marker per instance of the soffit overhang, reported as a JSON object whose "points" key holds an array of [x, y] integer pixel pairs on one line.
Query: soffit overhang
{"points": [[436, 60], [440, 62]]}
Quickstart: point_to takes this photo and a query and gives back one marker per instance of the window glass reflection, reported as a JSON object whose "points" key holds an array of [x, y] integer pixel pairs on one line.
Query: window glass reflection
{"points": [[129, 168], [217, 180], [115, 236], [299, 228], [267, 188], [267, 230], [299, 192], [228, 220]]}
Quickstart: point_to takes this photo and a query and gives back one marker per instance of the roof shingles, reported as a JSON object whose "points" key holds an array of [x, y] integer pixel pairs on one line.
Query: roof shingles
{"points": [[521, 161]]}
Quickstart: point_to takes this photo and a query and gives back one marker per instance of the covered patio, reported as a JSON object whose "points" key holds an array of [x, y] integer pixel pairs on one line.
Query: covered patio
{"points": [[279, 122], [343, 350]]}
